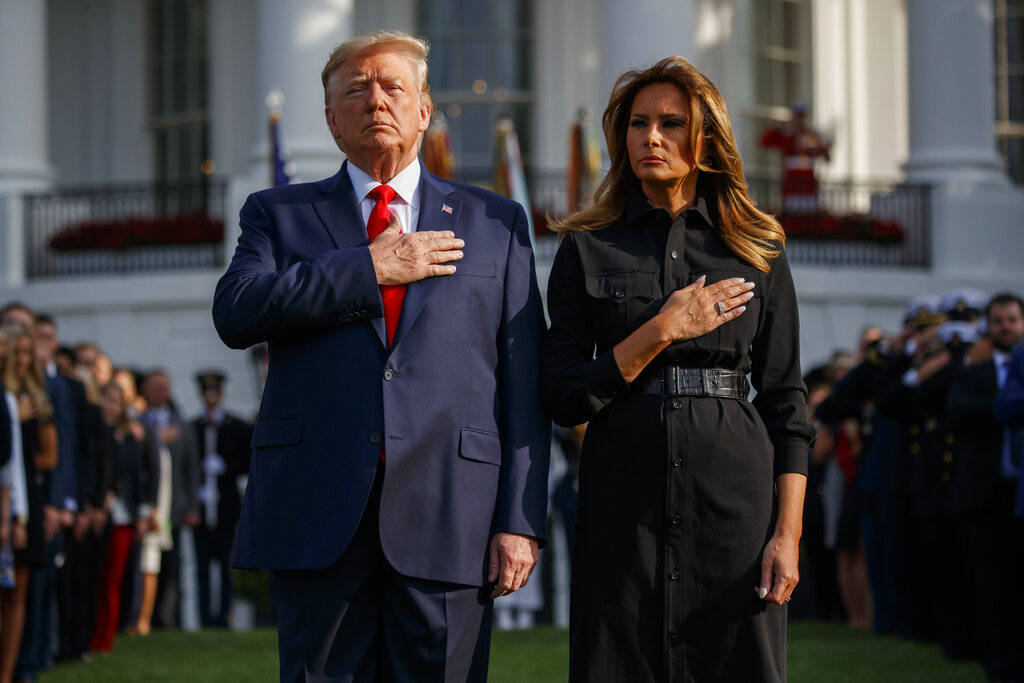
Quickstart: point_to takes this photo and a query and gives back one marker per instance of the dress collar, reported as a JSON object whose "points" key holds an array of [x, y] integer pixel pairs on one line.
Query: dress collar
{"points": [[638, 206]]}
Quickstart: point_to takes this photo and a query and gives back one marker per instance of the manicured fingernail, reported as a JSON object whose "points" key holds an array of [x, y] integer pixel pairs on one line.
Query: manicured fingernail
{"points": [[702, 278], [748, 296], [762, 592], [749, 285], [741, 308]]}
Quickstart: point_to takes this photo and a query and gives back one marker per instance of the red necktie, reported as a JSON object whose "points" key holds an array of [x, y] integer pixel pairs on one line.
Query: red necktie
{"points": [[391, 295]]}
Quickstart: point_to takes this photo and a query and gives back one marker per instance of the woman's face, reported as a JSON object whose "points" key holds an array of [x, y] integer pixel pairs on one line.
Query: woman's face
{"points": [[127, 383], [658, 136], [24, 349]]}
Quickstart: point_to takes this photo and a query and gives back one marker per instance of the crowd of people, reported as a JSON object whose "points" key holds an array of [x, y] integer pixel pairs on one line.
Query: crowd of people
{"points": [[912, 523], [100, 475], [913, 515]]}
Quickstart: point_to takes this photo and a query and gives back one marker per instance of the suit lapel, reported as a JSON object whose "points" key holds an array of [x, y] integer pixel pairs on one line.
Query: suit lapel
{"points": [[341, 218], [439, 210]]}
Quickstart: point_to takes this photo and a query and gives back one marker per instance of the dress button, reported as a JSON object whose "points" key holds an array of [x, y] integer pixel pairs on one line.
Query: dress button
{"points": [[375, 437], [677, 404], [674, 576], [674, 634], [388, 374], [675, 254], [676, 519], [677, 462], [619, 293]]}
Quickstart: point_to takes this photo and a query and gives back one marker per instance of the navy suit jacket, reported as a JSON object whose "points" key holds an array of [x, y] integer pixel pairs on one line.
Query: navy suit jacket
{"points": [[1010, 411], [455, 400]]}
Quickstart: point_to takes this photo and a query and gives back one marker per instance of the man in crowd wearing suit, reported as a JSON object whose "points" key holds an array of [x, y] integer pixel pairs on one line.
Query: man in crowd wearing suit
{"points": [[163, 420], [984, 490], [78, 574], [224, 448], [399, 472]]}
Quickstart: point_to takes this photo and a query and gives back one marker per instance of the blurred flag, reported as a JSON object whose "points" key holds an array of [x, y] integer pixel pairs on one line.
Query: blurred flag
{"points": [[436, 151], [509, 177], [281, 171], [584, 161]]}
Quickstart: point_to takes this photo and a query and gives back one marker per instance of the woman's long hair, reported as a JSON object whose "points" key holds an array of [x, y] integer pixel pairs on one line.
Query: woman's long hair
{"points": [[752, 234], [32, 382]]}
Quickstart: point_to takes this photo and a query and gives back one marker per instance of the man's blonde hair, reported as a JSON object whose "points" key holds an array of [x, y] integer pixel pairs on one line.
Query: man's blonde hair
{"points": [[416, 49]]}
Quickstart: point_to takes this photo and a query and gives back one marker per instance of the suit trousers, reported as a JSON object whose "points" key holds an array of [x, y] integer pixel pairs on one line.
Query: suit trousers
{"points": [[360, 620], [214, 544]]}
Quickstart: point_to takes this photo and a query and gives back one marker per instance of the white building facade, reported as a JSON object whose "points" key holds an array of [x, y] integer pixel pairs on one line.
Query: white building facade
{"points": [[137, 107]]}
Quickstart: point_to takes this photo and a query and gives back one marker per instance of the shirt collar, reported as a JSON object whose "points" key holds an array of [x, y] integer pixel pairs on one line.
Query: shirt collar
{"points": [[1000, 358], [638, 206], [404, 183]]}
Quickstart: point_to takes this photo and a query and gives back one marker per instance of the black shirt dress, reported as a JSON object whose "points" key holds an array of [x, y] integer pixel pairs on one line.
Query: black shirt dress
{"points": [[677, 496]]}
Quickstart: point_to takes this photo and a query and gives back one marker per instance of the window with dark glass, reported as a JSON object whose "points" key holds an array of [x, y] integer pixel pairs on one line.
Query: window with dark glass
{"points": [[782, 73], [1009, 63], [179, 72], [480, 70]]}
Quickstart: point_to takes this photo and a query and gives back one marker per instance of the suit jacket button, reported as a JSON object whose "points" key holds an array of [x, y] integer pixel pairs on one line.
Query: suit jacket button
{"points": [[388, 374], [375, 437]]}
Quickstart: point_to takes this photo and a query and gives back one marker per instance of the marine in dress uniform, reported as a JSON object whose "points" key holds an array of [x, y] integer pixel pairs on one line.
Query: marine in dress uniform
{"points": [[224, 446]]}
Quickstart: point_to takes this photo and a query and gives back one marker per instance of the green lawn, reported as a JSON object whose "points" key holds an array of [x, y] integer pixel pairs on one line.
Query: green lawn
{"points": [[817, 653]]}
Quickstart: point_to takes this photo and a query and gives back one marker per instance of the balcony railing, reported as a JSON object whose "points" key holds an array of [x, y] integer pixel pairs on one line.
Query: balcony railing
{"points": [[860, 208], [125, 228]]}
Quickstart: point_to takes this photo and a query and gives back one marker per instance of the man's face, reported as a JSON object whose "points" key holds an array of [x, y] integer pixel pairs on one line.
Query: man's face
{"points": [[1006, 325], [211, 397], [376, 108], [46, 342], [19, 316], [157, 390]]}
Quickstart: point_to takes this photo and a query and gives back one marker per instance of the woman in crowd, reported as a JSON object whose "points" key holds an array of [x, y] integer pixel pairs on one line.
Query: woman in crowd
{"points": [[12, 482], [690, 497], [130, 505], [24, 378]]}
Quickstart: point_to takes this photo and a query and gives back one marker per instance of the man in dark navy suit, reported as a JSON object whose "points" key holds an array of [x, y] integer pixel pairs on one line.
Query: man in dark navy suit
{"points": [[399, 475]]}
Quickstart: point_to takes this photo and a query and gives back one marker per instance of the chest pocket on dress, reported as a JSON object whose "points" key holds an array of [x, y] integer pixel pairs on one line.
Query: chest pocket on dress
{"points": [[619, 299], [735, 336]]}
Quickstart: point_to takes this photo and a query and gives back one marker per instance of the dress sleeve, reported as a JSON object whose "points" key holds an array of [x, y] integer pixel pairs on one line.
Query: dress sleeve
{"points": [[775, 373], [576, 386]]}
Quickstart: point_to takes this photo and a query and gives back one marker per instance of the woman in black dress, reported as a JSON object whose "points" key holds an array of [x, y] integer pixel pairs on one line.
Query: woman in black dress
{"points": [[23, 377], [690, 496]]}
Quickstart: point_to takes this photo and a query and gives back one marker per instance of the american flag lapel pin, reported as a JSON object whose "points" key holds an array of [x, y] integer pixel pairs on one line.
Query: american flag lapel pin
{"points": [[446, 209]]}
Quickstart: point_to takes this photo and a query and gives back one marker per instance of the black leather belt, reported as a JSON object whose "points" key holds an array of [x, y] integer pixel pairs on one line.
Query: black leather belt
{"points": [[676, 381]]}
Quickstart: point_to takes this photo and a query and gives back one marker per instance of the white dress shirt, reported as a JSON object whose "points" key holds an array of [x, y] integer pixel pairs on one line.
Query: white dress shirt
{"points": [[406, 204], [1011, 470]]}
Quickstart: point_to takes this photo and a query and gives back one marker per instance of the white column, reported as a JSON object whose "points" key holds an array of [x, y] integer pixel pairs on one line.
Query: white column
{"points": [[951, 92], [23, 145], [294, 41]]}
